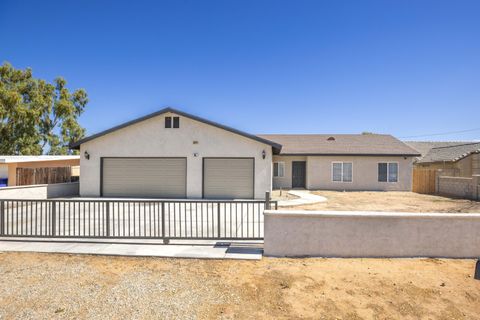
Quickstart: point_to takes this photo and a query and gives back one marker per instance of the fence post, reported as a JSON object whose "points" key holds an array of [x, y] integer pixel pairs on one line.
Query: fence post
{"points": [[267, 200], [2, 218], [165, 240], [54, 217], [218, 219], [107, 217]]}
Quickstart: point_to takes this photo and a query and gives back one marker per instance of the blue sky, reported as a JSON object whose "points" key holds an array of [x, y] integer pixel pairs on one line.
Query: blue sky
{"points": [[402, 67]]}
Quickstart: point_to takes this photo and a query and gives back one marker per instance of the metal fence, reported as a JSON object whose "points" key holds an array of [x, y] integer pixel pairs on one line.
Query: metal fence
{"points": [[186, 219]]}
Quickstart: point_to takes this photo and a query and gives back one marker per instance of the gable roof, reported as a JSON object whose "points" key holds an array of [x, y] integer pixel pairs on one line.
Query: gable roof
{"points": [[423, 147], [276, 147], [451, 153], [341, 144]]}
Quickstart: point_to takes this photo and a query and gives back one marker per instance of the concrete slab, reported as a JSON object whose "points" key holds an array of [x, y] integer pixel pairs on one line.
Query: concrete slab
{"points": [[138, 248], [304, 197]]}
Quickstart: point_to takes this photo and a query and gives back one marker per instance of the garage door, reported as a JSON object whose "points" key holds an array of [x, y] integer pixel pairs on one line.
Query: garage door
{"points": [[144, 177], [228, 178]]}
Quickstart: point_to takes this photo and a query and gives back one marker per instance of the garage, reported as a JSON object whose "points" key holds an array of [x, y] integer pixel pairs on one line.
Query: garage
{"points": [[144, 177], [228, 178]]}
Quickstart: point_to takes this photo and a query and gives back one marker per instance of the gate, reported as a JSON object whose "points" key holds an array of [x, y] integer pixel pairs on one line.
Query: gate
{"points": [[424, 181], [133, 219]]}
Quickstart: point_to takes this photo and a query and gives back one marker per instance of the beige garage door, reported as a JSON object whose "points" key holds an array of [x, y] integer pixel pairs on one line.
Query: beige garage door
{"points": [[144, 177], [228, 178]]}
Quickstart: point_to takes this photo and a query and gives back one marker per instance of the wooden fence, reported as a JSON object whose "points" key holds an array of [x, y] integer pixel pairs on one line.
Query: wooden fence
{"points": [[424, 181], [47, 175]]}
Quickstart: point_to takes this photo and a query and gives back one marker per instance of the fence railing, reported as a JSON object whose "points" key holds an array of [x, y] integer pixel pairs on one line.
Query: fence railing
{"points": [[154, 219]]}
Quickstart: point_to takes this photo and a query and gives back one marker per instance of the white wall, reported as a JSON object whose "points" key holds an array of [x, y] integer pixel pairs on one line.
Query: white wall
{"points": [[371, 234], [149, 138]]}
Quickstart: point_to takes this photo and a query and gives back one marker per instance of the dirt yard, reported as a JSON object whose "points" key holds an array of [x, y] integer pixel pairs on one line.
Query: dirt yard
{"points": [[390, 201], [49, 286]]}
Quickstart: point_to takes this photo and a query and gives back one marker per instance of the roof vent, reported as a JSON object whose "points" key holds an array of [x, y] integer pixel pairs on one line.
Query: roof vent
{"points": [[331, 139]]}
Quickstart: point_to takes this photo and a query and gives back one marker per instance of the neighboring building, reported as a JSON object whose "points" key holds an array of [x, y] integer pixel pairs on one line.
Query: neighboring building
{"points": [[458, 160], [173, 154], [9, 164]]}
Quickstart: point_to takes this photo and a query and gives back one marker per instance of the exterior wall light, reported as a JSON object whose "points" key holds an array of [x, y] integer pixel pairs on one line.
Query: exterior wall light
{"points": [[87, 155], [264, 154]]}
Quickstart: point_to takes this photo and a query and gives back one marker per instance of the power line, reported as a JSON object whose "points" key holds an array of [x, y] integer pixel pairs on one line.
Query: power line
{"points": [[441, 134]]}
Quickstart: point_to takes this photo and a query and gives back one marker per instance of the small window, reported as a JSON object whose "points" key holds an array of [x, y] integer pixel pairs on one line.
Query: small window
{"points": [[278, 169], [342, 171], [168, 122], [388, 172], [176, 122]]}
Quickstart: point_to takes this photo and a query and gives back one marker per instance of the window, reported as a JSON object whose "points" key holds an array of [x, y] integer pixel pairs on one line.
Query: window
{"points": [[278, 169], [388, 172], [168, 122], [342, 171]]}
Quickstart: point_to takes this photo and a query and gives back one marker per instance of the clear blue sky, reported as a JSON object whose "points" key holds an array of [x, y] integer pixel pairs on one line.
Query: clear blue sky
{"points": [[400, 67]]}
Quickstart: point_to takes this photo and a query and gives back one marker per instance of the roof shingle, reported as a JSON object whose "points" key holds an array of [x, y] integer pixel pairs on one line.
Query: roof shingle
{"points": [[450, 153], [342, 144]]}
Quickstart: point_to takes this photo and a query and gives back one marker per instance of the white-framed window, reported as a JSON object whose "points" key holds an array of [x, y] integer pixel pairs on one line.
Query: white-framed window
{"points": [[279, 169], [342, 171], [388, 172]]}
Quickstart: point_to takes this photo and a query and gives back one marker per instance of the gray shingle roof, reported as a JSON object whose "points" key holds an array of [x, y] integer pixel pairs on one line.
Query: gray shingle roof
{"points": [[451, 153], [342, 144]]}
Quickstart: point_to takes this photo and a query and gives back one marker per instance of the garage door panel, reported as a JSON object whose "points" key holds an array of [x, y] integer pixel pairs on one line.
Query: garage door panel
{"points": [[144, 177], [228, 178]]}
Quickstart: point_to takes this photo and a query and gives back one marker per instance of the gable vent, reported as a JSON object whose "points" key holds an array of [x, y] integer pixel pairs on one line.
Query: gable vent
{"points": [[331, 139]]}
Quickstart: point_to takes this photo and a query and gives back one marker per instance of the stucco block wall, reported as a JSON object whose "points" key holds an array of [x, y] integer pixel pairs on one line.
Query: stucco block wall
{"points": [[150, 138], [371, 234], [365, 173], [40, 191], [459, 186]]}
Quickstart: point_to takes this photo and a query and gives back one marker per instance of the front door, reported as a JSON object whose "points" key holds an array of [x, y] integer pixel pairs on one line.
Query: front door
{"points": [[298, 174]]}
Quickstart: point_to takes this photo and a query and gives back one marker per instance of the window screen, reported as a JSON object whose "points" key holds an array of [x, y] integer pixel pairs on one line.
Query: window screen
{"points": [[278, 169], [168, 122], [337, 172], [392, 172], [382, 172], [347, 172], [176, 122]]}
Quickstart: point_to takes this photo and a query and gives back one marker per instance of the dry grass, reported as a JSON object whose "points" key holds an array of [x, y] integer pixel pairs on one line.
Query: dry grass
{"points": [[49, 286], [390, 201]]}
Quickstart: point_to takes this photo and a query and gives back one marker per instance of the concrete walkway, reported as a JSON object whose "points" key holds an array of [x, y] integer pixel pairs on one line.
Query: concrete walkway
{"points": [[304, 197], [138, 248]]}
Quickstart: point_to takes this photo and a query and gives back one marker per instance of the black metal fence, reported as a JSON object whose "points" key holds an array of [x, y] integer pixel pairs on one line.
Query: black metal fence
{"points": [[151, 219]]}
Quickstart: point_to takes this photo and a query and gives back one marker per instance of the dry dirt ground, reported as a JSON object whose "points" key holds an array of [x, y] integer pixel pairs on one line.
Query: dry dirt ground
{"points": [[390, 201], [53, 286]]}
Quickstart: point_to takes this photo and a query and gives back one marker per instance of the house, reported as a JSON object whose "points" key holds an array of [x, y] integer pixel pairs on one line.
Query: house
{"points": [[460, 159], [10, 164], [342, 162], [174, 154]]}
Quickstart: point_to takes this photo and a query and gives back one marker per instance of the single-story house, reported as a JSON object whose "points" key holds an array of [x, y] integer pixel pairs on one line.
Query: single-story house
{"points": [[458, 159], [10, 164], [173, 154]]}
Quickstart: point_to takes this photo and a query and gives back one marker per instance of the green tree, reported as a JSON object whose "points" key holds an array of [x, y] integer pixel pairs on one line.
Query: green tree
{"points": [[37, 117]]}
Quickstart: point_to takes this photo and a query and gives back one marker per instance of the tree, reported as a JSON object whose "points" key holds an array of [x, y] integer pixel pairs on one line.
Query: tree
{"points": [[37, 117]]}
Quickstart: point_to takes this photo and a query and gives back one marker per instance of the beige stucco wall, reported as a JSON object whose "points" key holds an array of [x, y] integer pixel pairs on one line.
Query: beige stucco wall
{"points": [[365, 173], [371, 234], [149, 138], [12, 167]]}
